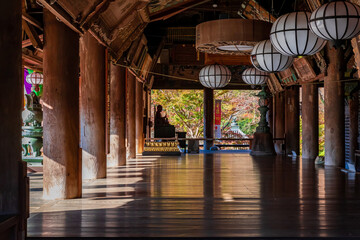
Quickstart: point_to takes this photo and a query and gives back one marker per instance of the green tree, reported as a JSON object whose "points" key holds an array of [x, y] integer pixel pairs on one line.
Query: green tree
{"points": [[185, 109]]}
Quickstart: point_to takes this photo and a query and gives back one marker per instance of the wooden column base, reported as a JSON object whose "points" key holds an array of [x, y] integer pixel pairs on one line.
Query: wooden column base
{"points": [[262, 145]]}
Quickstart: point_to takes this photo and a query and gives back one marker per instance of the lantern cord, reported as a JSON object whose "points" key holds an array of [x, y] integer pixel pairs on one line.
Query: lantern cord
{"points": [[272, 9], [295, 6], [231, 83]]}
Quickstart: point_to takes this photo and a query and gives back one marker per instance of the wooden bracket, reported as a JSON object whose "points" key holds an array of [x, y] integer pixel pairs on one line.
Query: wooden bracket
{"points": [[61, 14]]}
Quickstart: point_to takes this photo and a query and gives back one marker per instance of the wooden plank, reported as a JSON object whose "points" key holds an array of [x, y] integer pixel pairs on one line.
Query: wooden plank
{"points": [[227, 59], [61, 14], [186, 54], [150, 78], [220, 195], [102, 6], [275, 83], [141, 44], [32, 21], [27, 42], [270, 85], [176, 9], [29, 57], [146, 67], [132, 50], [356, 49], [32, 34], [253, 10], [303, 69]]}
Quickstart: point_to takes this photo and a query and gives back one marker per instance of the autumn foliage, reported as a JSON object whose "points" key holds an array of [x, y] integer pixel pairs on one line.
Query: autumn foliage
{"points": [[185, 109]]}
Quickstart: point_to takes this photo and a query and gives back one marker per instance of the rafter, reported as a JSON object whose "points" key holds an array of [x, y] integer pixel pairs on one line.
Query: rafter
{"points": [[32, 34], [27, 42], [102, 6], [30, 60], [252, 10], [176, 9], [61, 14], [150, 78], [32, 21]]}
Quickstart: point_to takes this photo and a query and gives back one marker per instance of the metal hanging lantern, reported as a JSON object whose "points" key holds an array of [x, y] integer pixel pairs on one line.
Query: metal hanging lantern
{"points": [[336, 21], [291, 35], [266, 58], [214, 76], [35, 79], [254, 76]]}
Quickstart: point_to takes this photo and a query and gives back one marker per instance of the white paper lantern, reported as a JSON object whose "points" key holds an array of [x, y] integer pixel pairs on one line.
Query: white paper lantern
{"points": [[254, 76], [290, 35], [214, 76], [336, 20], [266, 58], [35, 78]]}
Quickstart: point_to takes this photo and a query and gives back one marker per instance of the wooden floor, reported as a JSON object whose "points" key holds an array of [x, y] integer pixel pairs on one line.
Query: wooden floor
{"points": [[223, 194]]}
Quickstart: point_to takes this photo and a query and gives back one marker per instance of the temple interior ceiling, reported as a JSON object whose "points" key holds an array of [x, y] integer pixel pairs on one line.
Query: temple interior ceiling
{"points": [[158, 5]]}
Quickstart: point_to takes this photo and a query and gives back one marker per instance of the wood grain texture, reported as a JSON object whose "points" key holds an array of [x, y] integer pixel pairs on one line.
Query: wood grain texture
{"points": [[139, 117], [117, 116], [62, 169], [279, 119], [92, 107], [310, 121], [208, 116], [292, 120], [10, 105], [131, 115], [207, 195], [334, 109]]}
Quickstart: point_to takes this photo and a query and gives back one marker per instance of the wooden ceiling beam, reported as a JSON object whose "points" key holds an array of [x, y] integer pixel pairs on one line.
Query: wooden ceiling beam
{"points": [[150, 78], [227, 59], [102, 6], [31, 59], [32, 34], [27, 42], [32, 21], [253, 10], [61, 14], [174, 10]]}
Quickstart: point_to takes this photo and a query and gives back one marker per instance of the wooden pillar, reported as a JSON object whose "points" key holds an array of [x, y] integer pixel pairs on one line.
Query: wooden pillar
{"points": [[279, 119], [270, 114], [62, 160], [131, 126], [334, 109], [310, 121], [208, 117], [117, 116], [292, 121], [139, 117], [92, 107], [354, 124], [10, 106], [148, 112]]}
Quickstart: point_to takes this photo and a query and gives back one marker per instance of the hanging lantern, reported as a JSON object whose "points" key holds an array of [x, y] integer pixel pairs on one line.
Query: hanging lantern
{"points": [[254, 76], [214, 76], [290, 35], [266, 58], [35, 79], [336, 21]]}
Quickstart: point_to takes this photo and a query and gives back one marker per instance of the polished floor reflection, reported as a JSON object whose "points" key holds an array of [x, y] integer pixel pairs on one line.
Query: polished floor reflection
{"points": [[206, 195]]}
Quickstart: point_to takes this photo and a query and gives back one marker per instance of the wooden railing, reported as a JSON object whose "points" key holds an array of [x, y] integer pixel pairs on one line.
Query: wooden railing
{"points": [[244, 143]]}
